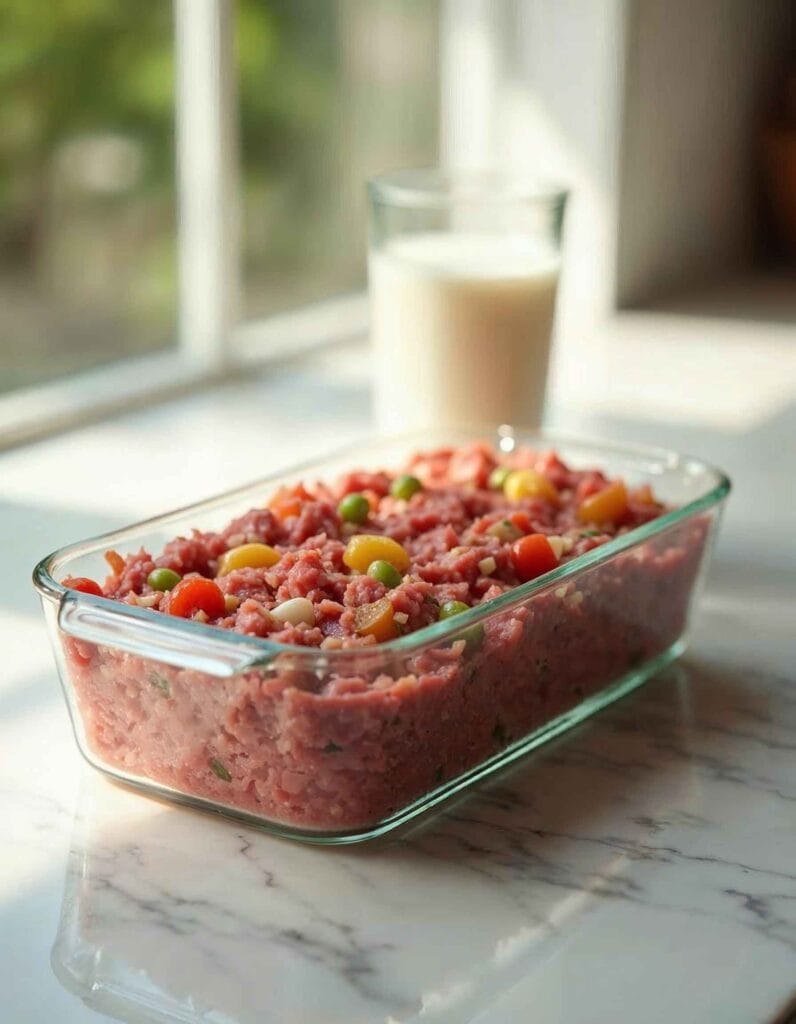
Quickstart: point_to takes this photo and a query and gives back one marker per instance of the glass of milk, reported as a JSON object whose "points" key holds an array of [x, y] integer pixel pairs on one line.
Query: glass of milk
{"points": [[463, 270]]}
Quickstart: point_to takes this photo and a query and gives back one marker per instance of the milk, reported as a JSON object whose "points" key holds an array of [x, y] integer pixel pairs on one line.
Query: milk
{"points": [[461, 327]]}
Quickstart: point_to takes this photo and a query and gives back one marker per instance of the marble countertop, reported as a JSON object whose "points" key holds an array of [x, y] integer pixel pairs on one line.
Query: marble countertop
{"points": [[640, 868]]}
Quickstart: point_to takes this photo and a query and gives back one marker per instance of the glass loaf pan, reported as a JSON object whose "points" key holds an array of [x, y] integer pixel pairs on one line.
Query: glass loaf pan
{"points": [[244, 726]]}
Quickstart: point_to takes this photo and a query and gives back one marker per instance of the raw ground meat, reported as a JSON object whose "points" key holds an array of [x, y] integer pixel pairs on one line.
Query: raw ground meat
{"points": [[343, 737]]}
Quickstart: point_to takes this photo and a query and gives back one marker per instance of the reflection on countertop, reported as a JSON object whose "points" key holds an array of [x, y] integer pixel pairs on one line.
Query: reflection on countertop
{"points": [[516, 892], [645, 872]]}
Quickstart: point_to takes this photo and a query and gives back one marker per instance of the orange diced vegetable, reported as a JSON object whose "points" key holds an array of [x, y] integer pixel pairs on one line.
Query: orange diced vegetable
{"points": [[606, 506], [115, 561], [287, 501], [376, 620], [643, 495]]}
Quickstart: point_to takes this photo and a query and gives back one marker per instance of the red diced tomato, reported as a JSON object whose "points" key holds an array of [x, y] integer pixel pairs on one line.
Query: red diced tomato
{"points": [[533, 556], [83, 584], [194, 594], [551, 466], [361, 482], [471, 465], [521, 520]]}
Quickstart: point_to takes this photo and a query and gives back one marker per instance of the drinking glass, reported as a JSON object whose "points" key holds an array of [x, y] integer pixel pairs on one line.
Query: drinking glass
{"points": [[463, 275]]}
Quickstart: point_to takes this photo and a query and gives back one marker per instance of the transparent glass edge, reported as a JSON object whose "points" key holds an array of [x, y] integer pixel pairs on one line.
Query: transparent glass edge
{"points": [[613, 691], [396, 189], [47, 586]]}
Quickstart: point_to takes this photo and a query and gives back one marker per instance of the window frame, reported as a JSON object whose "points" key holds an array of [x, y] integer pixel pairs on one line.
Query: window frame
{"points": [[213, 342], [207, 162]]}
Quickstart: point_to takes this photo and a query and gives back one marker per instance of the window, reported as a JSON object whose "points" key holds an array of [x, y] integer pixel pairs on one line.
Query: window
{"points": [[251, 124], [330, 93], [87, 199]]}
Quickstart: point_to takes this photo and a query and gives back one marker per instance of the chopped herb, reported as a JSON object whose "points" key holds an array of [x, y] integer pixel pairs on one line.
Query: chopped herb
{"points": [[439, 774], [332, 748], [592, 533], [430, 599], [499, 734], [160, 683], [219, 770]]}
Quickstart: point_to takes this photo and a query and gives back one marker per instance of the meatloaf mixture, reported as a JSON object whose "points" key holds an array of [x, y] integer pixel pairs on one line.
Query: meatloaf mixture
{"points": [[344, 741]]}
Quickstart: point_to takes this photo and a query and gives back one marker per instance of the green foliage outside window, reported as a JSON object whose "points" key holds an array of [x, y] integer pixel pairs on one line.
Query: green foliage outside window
{"points": [[328, 91]]}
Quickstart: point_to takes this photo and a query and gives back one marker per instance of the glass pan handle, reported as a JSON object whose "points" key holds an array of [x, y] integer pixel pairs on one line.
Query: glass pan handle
{"points": [[189, 646]]}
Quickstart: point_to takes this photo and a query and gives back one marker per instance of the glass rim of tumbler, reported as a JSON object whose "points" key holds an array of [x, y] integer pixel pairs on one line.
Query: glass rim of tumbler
{"points": [[444, 188]]}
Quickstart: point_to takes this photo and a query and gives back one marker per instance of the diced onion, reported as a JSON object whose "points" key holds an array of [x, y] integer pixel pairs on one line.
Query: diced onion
{"points": [[558, 546], [295, 611]]}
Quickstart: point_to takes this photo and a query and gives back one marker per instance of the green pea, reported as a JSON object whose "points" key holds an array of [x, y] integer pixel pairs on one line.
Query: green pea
{"points": [[405, 486], [451, 608], [473, 636], [354, 508], [163, 579], [498, 477], [384, 573]]}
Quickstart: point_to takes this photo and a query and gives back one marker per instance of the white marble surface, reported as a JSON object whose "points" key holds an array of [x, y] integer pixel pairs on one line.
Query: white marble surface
{"points": [[641, 868]]}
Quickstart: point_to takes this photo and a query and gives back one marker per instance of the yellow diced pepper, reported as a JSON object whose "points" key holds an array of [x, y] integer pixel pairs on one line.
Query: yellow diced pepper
{"points": [[606, 506], [248, 556], [527, 483], [365, 548], [376, 620]]}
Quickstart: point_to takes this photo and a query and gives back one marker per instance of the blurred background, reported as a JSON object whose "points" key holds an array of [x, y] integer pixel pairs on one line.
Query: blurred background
{"points": [[675, 124], [328, 92]]}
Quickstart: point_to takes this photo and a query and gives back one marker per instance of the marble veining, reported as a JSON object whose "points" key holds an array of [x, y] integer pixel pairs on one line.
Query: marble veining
{"points": [[643, 815], [638, 870]]}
